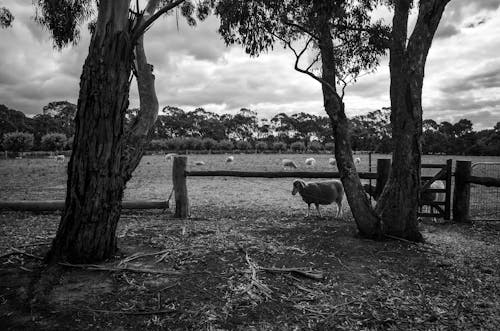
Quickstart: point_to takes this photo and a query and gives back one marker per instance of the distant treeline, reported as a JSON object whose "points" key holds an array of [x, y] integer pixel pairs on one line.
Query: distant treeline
{"points": [[176, 129]]}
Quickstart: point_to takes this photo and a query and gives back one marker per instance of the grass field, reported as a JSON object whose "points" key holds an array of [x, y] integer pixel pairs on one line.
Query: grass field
{"points": [[215, 260]]}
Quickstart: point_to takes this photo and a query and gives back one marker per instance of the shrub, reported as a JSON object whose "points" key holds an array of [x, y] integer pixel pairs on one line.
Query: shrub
{"points": [[279, 146], [209, 143], [298, 146], [243, 145], [226, 145], [17, 141], [192, 143], [54, 141], [330, 147], [157, 145], [173, 144], [261, 146], [315, 146]]}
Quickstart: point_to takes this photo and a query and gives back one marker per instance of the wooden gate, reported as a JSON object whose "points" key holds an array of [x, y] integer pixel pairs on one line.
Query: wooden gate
{"points": [[438, 208]]}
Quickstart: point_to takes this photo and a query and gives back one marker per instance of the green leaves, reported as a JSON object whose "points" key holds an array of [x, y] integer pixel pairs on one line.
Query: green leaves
{"points": [[6, 18], [63, 18]]}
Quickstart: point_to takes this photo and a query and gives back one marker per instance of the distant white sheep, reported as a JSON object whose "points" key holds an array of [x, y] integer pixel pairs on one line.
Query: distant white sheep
{"points": [[170, 156], [229, 159], [332, 161], [311, 162], [357, 160], [320, 193], [433, 197], [287, 163], [60, 157], [199, 163]]}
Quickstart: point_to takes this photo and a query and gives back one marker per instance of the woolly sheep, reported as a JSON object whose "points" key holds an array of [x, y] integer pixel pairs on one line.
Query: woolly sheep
{"points": [[357, 160], [332, 161], [427, 196], [60, 157], [230, 159], [320, 193], [199, 163], [170, 156], [310, 161], [286, 163]]}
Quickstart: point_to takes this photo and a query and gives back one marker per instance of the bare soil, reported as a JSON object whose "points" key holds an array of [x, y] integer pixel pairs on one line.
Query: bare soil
{"points": [[247, 259]]}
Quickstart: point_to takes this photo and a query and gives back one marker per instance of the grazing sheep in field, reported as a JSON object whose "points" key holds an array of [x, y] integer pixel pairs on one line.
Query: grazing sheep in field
{"points": [[357, 160], [332, 161], [433, 197], [320, 193], [310, 162], [60, 157], [230, 159], [286, 163], [170, 156], [199, 163]]}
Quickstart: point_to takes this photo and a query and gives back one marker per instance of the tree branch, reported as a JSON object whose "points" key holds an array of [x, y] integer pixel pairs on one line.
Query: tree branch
{"points": [[147, 23], [301, 28]]}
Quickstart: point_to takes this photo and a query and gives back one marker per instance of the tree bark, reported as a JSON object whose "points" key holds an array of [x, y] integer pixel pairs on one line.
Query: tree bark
{"points": [[95, 184], [368, 223], [399, 201]]}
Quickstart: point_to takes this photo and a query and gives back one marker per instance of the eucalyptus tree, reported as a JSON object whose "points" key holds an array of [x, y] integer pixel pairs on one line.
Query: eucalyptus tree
{"points": [[399, 201], [341, 42], [105, 152], [345, 42]]}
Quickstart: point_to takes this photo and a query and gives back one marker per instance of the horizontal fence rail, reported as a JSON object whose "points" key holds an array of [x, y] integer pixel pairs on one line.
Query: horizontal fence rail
{"points": [[54, 205], [267, 174]]}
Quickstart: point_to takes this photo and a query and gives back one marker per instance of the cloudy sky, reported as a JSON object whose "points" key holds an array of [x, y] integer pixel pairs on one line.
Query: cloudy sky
{"points": [[194, 68]]}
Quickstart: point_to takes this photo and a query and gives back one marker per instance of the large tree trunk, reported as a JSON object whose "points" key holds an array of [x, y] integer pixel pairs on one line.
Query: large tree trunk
{"points": [[368, 223], [399, 201], [95, 182]]}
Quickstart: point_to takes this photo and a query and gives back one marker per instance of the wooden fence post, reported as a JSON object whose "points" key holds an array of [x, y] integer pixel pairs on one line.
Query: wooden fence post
{"points": [[383, 172], [461, 195], [447, 205], [180, 188]]}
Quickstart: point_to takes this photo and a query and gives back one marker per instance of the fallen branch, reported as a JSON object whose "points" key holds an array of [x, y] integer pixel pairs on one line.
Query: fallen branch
{"points": [[18, 251], [112, 269], [126, 312], [139, 255], [255, 282], [317, 275]]}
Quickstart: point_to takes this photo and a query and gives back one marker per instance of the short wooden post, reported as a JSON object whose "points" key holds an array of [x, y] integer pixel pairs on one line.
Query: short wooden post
{"points": [[383, 172], [447, 201], [461, 196], [180, 187]]}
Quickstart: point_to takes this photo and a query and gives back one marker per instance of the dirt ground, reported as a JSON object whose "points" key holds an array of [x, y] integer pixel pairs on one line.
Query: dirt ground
{"points": [[247, 259], [253, 270]]}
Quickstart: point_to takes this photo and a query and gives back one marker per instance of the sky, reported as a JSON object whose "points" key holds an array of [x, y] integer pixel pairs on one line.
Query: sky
{"points": [[194, 68]]}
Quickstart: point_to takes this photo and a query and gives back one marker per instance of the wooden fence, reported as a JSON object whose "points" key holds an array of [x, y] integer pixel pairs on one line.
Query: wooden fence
{"points": [[462, 192]]}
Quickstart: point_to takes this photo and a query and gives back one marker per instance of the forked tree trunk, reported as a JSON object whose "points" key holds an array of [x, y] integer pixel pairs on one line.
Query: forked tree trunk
{"points": [[399, 201], [95, 181], [368, 223]]}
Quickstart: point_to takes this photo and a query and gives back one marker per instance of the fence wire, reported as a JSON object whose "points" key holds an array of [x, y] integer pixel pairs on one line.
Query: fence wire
{"points": [[485, 201]]}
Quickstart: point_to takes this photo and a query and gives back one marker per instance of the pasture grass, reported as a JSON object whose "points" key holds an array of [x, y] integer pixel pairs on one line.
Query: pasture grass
{"points": [[238, 226]]}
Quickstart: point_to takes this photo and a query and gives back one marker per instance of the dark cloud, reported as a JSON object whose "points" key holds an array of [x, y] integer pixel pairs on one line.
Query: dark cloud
{"points": [[488, 77], [446, 31]]}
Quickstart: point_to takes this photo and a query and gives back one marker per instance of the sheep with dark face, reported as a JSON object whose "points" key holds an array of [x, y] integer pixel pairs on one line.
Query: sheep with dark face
{"points": [[320, 193]]}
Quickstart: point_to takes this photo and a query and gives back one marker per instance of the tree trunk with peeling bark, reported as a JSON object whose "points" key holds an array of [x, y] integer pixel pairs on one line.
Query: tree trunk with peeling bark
{"points": [[399, 201], [104, 155], [368, 223]]}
